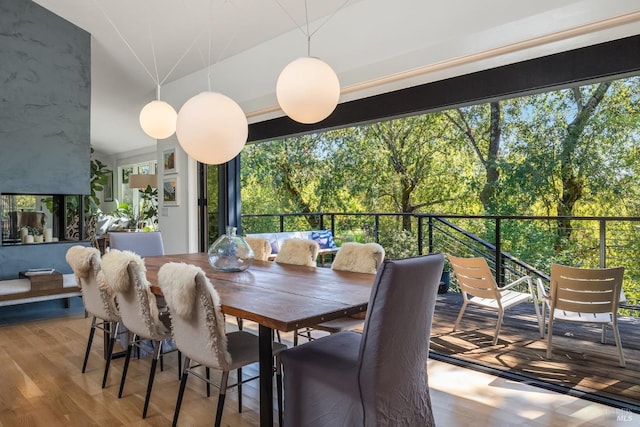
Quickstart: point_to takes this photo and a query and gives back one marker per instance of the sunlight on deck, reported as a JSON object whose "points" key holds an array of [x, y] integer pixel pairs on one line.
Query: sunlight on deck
{"points": [[464, 397]]}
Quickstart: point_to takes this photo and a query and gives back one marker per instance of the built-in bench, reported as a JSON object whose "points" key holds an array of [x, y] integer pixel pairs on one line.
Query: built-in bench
{"points": [[27, 289], [323, 237]]}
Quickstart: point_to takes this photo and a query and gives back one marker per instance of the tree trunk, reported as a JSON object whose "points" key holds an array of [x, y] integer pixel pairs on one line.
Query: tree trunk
{"points": [[571, 176], [488, 195]]}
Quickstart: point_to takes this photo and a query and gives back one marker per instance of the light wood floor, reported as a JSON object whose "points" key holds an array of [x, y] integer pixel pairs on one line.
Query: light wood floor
{"points": [[41, 385]]}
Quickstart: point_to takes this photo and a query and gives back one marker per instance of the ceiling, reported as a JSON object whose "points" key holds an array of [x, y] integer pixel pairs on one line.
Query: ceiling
{"points": [[241, 45]]}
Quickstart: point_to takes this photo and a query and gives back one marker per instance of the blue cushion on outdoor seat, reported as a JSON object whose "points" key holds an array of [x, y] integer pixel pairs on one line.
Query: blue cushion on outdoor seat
{"points": [[324, 239]]}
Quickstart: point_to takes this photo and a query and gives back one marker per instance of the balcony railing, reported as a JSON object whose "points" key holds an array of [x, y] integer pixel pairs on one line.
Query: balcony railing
{"points": [[513, 245]]}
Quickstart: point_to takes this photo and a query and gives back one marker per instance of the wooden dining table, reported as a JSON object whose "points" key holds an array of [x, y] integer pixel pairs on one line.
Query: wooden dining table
{"points": [[280, 297]]}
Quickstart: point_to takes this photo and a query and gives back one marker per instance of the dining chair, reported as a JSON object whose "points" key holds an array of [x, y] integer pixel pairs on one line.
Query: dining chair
{"points": [[147, 324], [298, 252], [585, 295], [260, 246], [379, 377], [199, 332], [143, 243], [358, 258], [98, 299], [478, 286]]}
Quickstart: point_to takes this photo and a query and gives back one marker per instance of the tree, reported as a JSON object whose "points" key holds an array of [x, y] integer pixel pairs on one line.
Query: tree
{"points": [[416, 156], [470, 122]]}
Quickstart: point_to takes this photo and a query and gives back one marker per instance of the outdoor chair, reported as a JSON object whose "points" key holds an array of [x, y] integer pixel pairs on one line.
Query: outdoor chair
{"points": [[356, 257], [198, 328], [379, 377], [478, 286], [147, 325], [98, 299], [584, 295]]}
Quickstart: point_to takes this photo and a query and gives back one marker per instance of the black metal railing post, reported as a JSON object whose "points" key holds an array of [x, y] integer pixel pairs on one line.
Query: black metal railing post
{"points": [[420, 232], [498, 243], [377, 228], [603, 243]]}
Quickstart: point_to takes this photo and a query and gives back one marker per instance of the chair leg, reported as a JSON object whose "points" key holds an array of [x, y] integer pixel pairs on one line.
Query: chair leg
{"points": [[616, 335], [295, 338], [113, 331], [239, 390], [498, 326], [542, 317], [462, 309], [221, 397], [126, 365], [549, 333], [86, 354], [179, 363], [152, 374], [603, 337], [207, 373], [539, 316], [183, 383]]}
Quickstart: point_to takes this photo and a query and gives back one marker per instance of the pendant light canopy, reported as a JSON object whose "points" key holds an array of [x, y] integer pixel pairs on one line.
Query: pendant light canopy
{"points": [[212, 128], [158, 119], [308, 90]]}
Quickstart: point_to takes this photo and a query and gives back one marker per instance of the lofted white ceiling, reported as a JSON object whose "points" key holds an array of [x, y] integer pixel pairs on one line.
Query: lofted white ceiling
{"points": [[238, 47]]}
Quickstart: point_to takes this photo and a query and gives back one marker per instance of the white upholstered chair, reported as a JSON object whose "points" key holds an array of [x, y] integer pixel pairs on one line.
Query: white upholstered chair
{"points": [[126, 273], [584, 295], [198, 327], [260, 246], [98, 298], [298, 252], [359, 258], [143, 243], [379, 377], [478, 286]]}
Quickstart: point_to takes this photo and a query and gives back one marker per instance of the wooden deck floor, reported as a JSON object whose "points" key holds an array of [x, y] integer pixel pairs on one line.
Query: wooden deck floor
{"points": [[580, 363]]}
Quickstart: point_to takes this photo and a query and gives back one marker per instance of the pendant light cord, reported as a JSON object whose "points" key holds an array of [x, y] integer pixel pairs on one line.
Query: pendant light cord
{"points": [[156, 80], [308, 34]]}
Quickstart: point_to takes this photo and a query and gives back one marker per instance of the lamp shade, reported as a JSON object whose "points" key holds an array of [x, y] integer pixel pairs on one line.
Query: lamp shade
{"points": [[308, 90], [212, 128], [158, 119], [143, 180]]}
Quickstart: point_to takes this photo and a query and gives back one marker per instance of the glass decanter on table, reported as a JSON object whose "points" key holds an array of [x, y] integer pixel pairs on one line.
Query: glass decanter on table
{"points": [[230, 252]]}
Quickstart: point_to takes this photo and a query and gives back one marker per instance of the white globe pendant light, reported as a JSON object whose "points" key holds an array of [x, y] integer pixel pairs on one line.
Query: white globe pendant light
{"points": [[212, 128], [308, 90], [158, 119]]}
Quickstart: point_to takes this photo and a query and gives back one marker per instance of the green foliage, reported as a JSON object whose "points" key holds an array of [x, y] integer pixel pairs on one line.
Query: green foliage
{"points": [[98, 179], [572, 151]]}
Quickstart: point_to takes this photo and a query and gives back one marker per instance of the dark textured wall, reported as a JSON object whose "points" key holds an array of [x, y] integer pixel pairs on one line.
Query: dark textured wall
{"points": [[45, 95], [45, 90]]}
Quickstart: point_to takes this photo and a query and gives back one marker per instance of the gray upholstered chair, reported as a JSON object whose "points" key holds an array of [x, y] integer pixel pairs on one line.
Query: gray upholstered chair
{"points": [[356, 257], [298, 252], [98, 298], [126, 273], [198, 327], [378, 378], [143, 243]]}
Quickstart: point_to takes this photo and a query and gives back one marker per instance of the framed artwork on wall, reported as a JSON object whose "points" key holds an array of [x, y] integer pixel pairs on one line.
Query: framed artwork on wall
{"points": [[107, 190], [170, 161], [170, 191]]}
